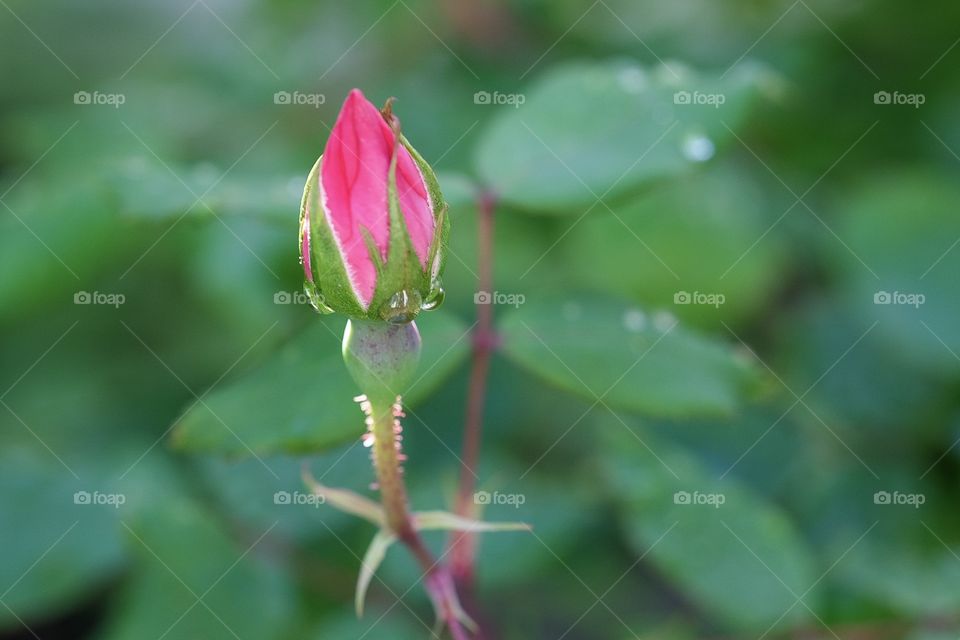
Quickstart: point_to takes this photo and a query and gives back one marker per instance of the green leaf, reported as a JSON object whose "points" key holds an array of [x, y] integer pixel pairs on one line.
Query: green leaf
{"points": [[55, 551], [301, 400], [603, 349], [695, 234], [869, 392], [591, 129], [259, 492], [395, 624], [901, 555], [371, 560], [915, 577], [915, 213], [41, 234], [147, 189], [719, 543], [195, 581]]}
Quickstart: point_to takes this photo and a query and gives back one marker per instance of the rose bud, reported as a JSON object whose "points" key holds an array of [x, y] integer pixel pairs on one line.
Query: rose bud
{"points": [[373, 223]]}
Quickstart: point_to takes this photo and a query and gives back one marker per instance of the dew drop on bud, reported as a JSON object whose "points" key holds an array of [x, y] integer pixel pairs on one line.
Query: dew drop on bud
{"points": [[435, 298], [315, 296], [402, 307]]}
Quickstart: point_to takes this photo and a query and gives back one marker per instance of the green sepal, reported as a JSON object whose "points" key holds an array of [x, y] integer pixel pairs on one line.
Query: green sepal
{"points": [[433, 520], [329, 269], [369, 565], [344, 500]]}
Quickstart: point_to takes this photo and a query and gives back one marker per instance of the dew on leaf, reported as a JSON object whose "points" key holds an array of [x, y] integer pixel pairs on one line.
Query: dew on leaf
{"points": [[697, 147], [634, 320], [664, 321]]}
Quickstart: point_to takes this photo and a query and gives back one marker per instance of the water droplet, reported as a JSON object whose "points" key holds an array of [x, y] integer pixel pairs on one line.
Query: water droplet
{"points": [[402, 307], [634, 320], [435, 298], [632, 80], [664, 321], [315, 296], [697, 148]]}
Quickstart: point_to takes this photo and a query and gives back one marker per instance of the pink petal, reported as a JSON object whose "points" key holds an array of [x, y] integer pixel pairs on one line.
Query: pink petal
{"points": [[353, 180], [415, 205]]}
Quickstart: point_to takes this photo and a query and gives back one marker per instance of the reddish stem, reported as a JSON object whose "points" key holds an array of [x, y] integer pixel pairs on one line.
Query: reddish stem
{"points": [[393, 492], [484, 341]]}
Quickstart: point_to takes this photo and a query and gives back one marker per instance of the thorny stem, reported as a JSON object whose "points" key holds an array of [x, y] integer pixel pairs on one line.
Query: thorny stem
{"points": [[462, 545], [384, 438], [383, 421]]}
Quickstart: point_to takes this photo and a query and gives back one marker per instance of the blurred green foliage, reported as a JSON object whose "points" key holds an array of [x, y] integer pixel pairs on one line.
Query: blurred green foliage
{"points": [[726, 388]]}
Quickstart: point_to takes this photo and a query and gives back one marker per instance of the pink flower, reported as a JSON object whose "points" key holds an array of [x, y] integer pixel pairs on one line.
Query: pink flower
{"points": [[355, 188]]}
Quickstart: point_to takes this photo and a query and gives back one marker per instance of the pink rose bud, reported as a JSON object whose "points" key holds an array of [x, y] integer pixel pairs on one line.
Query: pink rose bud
{"points": [[373, 223]]}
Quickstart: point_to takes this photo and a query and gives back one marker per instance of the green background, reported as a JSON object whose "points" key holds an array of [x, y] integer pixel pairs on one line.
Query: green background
{"points": [[156, 349]]}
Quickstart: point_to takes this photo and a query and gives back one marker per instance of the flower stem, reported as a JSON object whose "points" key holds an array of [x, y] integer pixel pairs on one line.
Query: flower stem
{"points": [[381, 358], [484, 341], [384, 430], [384, 422]]}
